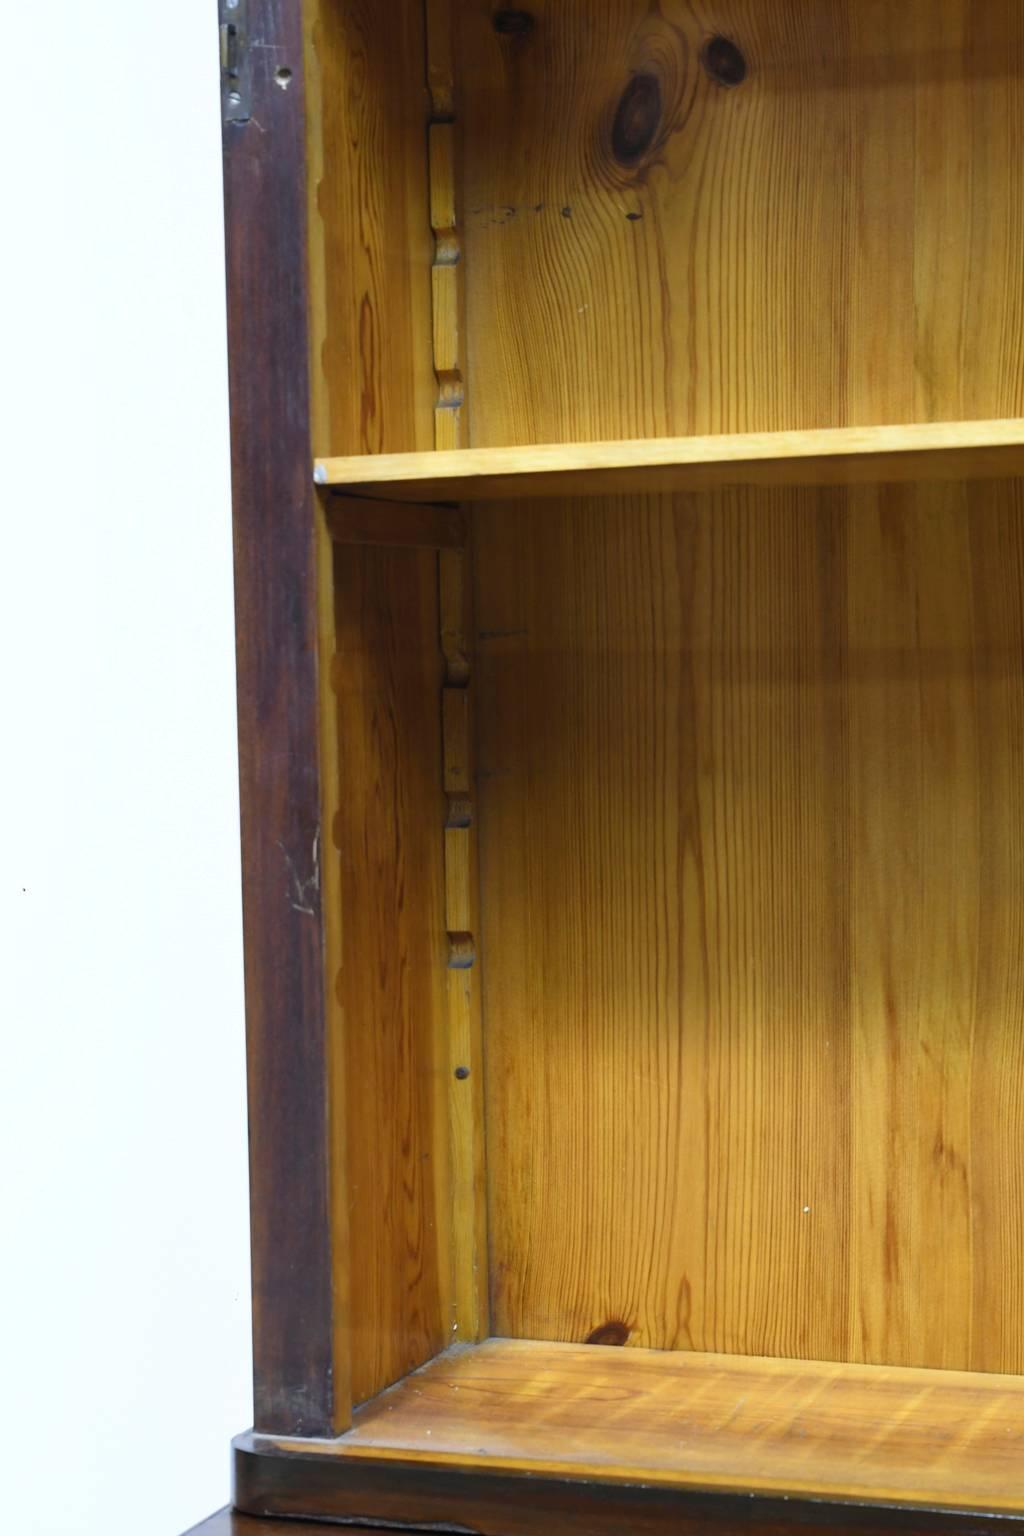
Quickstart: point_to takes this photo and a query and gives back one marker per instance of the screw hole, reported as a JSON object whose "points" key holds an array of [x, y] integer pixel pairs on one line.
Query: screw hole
{"points": [[462, 1073], [283, 77]]}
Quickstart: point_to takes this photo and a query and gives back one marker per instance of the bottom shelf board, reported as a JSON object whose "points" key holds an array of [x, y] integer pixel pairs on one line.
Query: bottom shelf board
{"points": [[924, 1439]]}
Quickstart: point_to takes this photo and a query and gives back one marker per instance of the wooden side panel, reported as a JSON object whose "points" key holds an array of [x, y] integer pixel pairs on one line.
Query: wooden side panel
{"points": [[375, 356], [296, 1389], [391, 985], [825, 227], [751, 864], [374, 391]]}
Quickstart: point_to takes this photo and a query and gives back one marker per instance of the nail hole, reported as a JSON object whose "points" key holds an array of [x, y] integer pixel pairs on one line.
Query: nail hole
{"points": [[723, 61], [462, 1073], [283, 77]]}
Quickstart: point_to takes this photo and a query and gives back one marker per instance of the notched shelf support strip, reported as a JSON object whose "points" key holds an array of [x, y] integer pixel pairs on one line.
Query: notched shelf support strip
{"points": [[446, 272], [470, 1321]]}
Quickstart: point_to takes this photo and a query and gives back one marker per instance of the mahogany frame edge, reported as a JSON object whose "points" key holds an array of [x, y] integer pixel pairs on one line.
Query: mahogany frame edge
{"points": [[230, 1522], [478, 1501], [274, 517]]}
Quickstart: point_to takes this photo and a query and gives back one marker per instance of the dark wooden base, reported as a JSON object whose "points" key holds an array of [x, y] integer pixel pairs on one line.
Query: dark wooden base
{"points": [[229, 1522], [419, 1496]]}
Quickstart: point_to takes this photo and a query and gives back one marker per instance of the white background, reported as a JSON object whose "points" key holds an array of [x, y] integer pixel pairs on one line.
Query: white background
{"points": [[124, 1313]]}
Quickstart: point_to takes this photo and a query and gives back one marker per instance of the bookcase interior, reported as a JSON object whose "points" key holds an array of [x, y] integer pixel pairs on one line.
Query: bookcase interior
{"points": [[677, 840]]}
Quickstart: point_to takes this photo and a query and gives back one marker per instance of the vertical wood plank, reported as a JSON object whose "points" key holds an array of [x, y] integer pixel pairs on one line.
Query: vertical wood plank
{"points": [[374, 391], [996, 532], [914, 924], [330, 780], [470, 1320], [752, 872], [469, 1256], [387, 836], [278, 698], [373, 200]]}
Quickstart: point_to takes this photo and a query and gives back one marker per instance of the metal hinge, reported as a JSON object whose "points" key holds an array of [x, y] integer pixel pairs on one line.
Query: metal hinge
{"points": [[235, 61]]}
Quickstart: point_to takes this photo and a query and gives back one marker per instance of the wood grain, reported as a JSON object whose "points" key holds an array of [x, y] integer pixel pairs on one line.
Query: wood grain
{"points": [[782, 1428], [835, 241], [751, 870], [373, 391], [391, 984], [294, 1242], [374, 235], [335, 1093], [843, 456]]}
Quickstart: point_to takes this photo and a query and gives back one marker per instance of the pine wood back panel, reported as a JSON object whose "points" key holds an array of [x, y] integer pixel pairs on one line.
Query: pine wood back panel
{"points": [[835, 240], [752, 869]]}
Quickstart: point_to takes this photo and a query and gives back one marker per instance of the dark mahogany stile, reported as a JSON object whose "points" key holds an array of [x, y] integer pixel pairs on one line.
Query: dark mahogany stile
{"points": [[276, 615]]}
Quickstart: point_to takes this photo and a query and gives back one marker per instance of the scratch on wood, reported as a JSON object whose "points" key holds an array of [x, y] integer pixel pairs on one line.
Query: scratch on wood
{"points": [[301, 893]]}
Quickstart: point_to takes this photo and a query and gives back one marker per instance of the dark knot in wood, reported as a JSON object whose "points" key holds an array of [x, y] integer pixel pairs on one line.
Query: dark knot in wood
{"points": [[513, 23], [612, 1332], [637, 119], [723, 61]]}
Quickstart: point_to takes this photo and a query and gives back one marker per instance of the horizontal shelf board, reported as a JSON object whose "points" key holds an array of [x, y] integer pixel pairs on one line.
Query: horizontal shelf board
{"points": [[959, 450], [719, 1423]]}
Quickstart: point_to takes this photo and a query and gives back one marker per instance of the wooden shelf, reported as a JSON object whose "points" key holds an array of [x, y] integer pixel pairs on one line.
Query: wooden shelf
{"points": [[959, 450], [781, 1429]]}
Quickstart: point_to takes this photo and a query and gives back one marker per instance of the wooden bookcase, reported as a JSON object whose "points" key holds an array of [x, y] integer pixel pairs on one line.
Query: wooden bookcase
{"points": [[628, 466]]}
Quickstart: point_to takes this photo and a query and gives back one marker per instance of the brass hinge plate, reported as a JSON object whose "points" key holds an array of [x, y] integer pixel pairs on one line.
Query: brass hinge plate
{"points": [[235, 61]]}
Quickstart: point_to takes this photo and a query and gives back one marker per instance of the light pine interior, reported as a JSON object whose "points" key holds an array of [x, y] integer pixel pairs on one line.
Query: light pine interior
{"points": [[834, 242], [753, 881], [746, 767]]}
